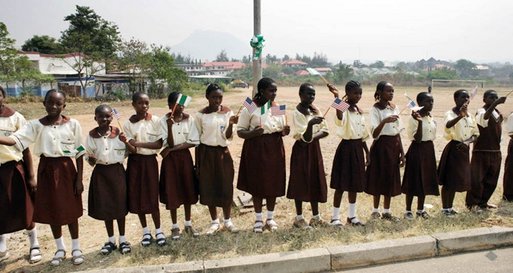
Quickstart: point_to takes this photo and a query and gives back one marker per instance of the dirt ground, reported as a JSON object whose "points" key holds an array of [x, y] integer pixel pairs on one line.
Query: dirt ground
{"points": [[93, 234]]}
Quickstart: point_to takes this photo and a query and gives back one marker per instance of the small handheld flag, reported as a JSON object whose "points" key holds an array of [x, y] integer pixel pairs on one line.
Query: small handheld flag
{"points": [[183, 100], [117, 115], [316, 73], [340, 104], [76, 151], [250, 105], [473, 92], [411, 105], [278, 110], [264, 107]]}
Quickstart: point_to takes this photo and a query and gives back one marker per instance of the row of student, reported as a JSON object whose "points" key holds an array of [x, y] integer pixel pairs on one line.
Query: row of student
{"points": [[262, 174]]}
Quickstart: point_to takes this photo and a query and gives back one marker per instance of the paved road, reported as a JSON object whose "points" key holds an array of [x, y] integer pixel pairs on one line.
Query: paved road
{"points": [[489, 261]]}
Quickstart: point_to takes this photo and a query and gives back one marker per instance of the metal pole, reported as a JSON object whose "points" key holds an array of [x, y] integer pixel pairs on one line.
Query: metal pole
{"points": [[257, 63]]}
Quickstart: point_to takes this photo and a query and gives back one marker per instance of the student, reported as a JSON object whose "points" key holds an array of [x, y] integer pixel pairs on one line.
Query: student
{"points": [[17, 185], [386, 152], [143, 132], [507, 187], [307, 180], [214, 164], [454, 167], [420, 178], [178, 185], [58, 201], [262, 174], [106, 151], [348, 170], [485, 165]]}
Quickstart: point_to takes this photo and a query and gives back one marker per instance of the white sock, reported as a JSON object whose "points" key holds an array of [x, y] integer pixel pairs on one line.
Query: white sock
{"points": [[157, 231], [228, 222], [420, 211], [386, 210], [146, 230], [175, 226], [122, 239], [316, 217], [60, 243], [375, 210], [216, 221], [32, 234], [75, 244], [408, 211], [299, 217], [112, 239], [351, 210], [270, 214], [3, 243], [335, 214], [188, 223], [258, 216]]}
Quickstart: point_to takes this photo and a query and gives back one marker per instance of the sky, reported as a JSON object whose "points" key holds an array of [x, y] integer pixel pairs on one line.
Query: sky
{"points": [[366, 30]]}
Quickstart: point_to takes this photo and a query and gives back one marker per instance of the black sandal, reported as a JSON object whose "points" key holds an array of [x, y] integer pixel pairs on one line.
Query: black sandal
{"points": [[107, 248], [160, 241], [146, 240], [125, 248]]}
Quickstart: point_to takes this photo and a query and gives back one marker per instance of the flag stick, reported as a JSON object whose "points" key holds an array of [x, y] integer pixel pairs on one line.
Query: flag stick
{"points": [[326, 112], [285, 119], [324, 79], [119, 124], [174, 108], [403, 110], [509, 93], [240, 109]]}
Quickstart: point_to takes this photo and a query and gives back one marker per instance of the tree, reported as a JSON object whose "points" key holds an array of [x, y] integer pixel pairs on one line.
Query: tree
{"points": [[162, 69], [444, 74], [377, 64], [222, 56], [466, 69], [135, 58], [43, 44], [342, 73]]}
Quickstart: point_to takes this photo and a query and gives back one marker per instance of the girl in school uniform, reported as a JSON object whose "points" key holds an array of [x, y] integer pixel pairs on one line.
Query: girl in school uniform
{"points": [[143, 132], [386, 152], [307, 180], [214, 164], [262, 174], [106, 151], [17, 185], [507, 183], [348, 170], [58, 201], [178, 185], [420, 178], [454, 168]]}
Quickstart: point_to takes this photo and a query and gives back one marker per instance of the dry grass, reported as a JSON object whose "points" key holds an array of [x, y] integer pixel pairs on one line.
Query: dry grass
{"points": [[225, 245]]}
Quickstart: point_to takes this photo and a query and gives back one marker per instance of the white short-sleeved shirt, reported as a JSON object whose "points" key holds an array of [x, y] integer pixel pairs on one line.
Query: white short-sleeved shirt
{"points": [[464, 129], [301, 124], [63, 140], [106, 149], [9, 125], [145, 130], [270, 124], [428, 128], [352, 126], [509, 124], [377, 115], [481, 121], [211, 127], [180, 130]]}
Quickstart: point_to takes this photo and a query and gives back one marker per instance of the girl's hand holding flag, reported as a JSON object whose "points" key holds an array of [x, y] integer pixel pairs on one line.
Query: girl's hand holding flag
{"points": [[339, 105]]}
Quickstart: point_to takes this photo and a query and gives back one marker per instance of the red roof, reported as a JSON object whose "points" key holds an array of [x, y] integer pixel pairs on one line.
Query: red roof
{"points": [[226, 65], [293, 62]]}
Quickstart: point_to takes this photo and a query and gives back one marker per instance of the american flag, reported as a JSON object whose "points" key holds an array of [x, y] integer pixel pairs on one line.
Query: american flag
{"points": [[250, 105], [116, 114], [412, 105], [278, 110], [340, 104]]}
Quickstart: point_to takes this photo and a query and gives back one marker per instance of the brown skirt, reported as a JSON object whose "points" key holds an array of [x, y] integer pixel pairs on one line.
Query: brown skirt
{"points": [[16, 204], [178, 185], [507, 183], [107, 192], [307, 181], [420, 178], [262, 166], [142, 174], [56, 201], [348, 170], [214, 166], [383, 174], [454, 167]]}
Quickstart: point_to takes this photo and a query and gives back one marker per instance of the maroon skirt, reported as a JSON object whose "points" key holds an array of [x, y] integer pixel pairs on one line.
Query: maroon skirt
{"points": [[307, 181], [383, 174], [214, 167], [56, 201], [454, 167], [507, 183], [107, 192], [348, 170], [420, 178], [142, 174], [178, 185], [16, 203], [262, 166]]}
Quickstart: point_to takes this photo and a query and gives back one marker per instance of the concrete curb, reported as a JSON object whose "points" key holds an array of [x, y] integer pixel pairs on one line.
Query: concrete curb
{"points": [[343, 257]]}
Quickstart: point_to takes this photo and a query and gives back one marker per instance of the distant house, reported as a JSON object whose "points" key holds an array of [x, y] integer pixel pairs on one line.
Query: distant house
{"points": [[323, 70], [218, 69], [294, 64], [192, 69], [301, 72]]}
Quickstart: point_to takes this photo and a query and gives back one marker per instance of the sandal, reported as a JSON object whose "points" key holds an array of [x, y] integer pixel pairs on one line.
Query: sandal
{"points": [[162, 240], [77, 259], [57, 259], [146, 240], [271, 225], [107, 248], [336, 223], [125, 248], [258, 227], [35, 255]]}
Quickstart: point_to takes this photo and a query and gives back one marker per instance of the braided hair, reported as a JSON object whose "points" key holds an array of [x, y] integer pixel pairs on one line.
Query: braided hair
{"points": [[379, 88]]}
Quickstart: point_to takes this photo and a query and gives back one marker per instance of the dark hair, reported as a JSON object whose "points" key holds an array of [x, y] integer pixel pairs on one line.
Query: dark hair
{"points": [[212, 87], [458, 93], [263, 84], [138, 95], [352, 84], [102, 107], [304, 87], [2, 90], [488, 93], [173, 96], [49, 92], [379, 88], [422, 96]]}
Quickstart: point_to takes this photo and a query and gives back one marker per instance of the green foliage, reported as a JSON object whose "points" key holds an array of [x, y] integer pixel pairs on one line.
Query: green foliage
{"points": [[43, 44], [8, 54], [466, 69], [222, 56], [377, 64], [135, 59], [162, 70], [444, 74], [342, 73]]}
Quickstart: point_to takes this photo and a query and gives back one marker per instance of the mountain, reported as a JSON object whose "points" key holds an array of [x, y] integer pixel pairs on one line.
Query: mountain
{"points": [[207, 44]]}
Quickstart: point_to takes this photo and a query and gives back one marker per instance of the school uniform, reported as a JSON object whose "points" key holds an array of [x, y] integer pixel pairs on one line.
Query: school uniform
{"points": [[142, 170], [454, 167], [420, 176], [507, 183], [107, 189], [383, 175], [16, 204], [214, 164], [307, 180], [485, 165], [178, 185], [348, 170], [262, 162], [55, 200]]}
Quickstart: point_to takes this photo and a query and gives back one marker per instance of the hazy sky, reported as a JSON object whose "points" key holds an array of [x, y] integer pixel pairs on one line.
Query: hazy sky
{"points": [[387, 30]]}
